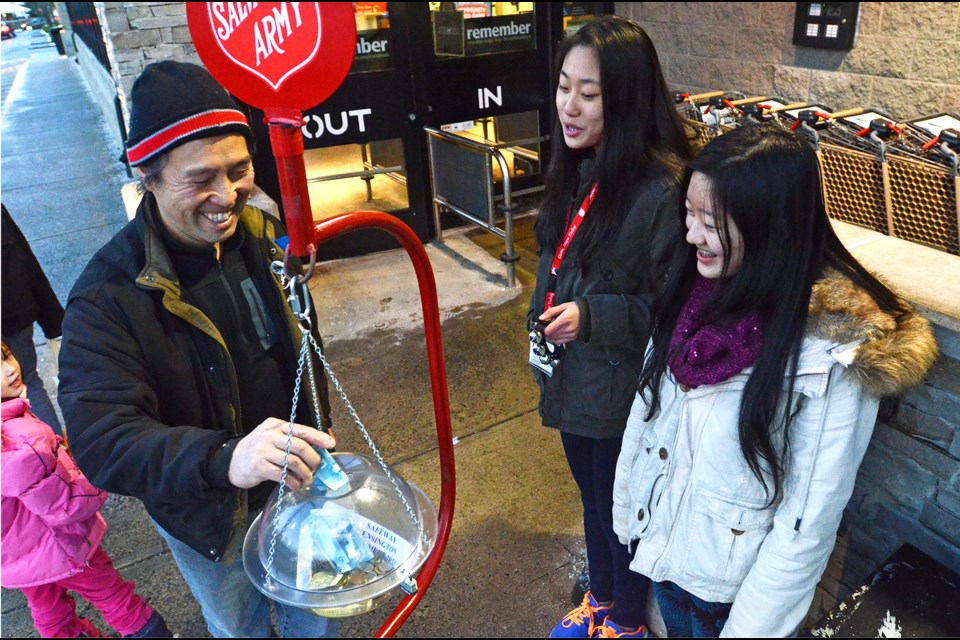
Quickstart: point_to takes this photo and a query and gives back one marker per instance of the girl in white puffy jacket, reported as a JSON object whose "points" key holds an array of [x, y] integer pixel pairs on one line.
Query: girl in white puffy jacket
{"points": [[770, 351]]}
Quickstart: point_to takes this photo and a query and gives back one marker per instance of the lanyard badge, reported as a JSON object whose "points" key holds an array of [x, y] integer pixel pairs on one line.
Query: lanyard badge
{"points": [[544, 355]]}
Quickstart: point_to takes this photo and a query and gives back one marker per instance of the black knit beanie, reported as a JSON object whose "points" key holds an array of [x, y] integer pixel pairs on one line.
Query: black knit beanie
{"points": [[176, 102]]}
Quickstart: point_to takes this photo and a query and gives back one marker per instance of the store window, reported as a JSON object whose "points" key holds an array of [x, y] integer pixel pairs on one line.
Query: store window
{"points": [[577, 14], [352, 177], [478, 28], [374, 42]]}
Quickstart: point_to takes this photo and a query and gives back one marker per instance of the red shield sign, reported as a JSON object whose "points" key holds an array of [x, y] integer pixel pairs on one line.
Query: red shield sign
{"points": [[275, 54]]}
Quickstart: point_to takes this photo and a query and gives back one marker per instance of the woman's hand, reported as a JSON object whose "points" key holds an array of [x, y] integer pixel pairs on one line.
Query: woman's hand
{"points": [[564, 323]]}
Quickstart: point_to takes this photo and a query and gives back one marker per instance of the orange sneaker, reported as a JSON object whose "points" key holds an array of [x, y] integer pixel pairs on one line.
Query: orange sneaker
{"points": [[610, 629], [581, 622]]}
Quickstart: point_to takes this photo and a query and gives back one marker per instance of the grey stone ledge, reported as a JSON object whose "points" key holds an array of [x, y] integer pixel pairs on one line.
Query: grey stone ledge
{"points": [[928, 278]]}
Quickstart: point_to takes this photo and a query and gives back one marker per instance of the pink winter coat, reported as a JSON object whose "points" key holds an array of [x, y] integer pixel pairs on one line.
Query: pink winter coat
{"points": [[51, 524]]}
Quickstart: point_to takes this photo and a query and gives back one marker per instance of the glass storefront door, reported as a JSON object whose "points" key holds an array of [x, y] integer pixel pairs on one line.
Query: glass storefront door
{"points": [[363, 143], [478, 68]]}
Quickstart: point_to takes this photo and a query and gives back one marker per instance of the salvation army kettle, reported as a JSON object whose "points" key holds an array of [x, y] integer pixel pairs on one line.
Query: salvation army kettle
{"points": [[341, 547]]}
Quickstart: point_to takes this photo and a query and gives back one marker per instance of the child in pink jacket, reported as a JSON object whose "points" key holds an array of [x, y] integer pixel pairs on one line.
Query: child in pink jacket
{"points": [[52, 528]]}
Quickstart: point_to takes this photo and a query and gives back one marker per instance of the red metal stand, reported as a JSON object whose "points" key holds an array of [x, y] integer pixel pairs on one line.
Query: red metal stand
{"points": [[337, 226], [286, 139]]}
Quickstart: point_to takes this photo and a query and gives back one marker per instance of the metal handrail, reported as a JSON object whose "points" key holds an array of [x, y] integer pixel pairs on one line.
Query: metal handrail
{"points": [[356, 174], [493, 150]]}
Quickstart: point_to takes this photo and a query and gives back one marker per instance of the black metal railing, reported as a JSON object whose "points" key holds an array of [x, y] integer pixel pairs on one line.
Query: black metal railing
{"points": [[86, 26]]}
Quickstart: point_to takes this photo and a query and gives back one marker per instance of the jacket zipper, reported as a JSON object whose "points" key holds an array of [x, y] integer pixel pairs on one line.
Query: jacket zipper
{"points": [[233, 300]]}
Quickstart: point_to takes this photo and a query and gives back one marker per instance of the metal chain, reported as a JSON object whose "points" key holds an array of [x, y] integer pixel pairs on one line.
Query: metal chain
{"points": [[315, 397], [304, 352], [368, 439], [304, 362]]}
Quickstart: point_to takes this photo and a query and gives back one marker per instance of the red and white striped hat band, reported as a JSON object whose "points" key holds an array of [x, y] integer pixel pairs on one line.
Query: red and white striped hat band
{"points": [[174, 134]]}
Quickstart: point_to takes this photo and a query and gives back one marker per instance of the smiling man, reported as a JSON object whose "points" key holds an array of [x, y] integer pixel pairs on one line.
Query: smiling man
{"points": [[179, 352]]}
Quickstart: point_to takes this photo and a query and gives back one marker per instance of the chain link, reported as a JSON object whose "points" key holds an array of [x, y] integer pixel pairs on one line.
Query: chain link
{"points": [[304, 352], [307, 363], [369, 441]]}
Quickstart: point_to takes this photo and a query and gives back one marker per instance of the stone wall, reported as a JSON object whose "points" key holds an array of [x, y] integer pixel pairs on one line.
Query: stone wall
{"points": [[144, 32], [908, 487], [904, 60], [101, 84]]}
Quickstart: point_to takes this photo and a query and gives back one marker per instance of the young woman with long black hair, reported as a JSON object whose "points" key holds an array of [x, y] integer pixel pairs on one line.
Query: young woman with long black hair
{"points": [[604, 230], [771, 348]]}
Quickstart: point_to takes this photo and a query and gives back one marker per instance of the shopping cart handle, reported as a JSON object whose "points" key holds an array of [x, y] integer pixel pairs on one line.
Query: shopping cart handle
{"points": [[815, 119], [883, 128], [951, 137]]}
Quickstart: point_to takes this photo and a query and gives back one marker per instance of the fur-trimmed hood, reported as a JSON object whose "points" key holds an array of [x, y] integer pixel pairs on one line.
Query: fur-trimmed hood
{"points": [[894, 354]]}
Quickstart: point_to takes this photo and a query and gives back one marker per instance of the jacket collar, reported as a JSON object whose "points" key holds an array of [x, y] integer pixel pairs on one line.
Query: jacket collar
{"points": [[14, 408], [887, 354], [158, 270]]}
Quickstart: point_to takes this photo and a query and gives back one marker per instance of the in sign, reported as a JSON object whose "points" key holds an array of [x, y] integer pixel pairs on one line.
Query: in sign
{"points": [[485, 97]]}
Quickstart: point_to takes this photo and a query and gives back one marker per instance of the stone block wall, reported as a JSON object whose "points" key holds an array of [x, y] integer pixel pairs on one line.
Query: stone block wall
{"points": [[143, 32], [908, 487], [904, 60]]}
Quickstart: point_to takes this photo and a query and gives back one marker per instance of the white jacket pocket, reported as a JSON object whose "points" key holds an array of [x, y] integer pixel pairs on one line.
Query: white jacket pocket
{"points": [[724, 534]]}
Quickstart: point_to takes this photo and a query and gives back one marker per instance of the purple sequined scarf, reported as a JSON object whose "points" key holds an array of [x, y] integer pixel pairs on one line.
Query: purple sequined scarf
{"points": [[709, 354]]}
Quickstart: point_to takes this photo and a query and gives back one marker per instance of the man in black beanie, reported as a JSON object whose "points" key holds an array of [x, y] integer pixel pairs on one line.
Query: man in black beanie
{"points": [[179, 350]]}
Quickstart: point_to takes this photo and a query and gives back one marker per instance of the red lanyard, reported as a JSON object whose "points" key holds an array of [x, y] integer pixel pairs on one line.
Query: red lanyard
{"points": [[565, 244]]}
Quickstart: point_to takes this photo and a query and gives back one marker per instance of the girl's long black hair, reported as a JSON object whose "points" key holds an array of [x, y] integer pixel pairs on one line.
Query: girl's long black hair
{"points": [[767, 180], [640, 126]]}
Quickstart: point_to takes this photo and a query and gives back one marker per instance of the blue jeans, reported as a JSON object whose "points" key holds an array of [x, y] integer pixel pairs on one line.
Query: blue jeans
{"points": [[233, 607], [21, 346], [593, 462], [687, 616]]}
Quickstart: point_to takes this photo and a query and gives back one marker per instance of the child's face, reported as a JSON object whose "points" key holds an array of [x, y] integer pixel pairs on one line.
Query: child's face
{"points": [[12, 382], [714, 258]]}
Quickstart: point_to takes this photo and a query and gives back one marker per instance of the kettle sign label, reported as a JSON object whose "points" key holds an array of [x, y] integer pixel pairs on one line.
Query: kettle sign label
{"points": [[272, 40]]}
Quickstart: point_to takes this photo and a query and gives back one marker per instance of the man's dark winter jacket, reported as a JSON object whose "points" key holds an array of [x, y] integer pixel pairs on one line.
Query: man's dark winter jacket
{"points": [[592, 389], [148, 388], [27, 294]]}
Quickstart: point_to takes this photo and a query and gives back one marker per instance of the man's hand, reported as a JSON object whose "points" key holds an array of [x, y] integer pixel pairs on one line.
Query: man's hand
{"points": [[259, 455], [564, 322]]}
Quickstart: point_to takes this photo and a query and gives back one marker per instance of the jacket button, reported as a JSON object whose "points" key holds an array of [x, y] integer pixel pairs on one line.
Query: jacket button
{"points": [[607, 275], [684, 388], [663, 453], [211, 368], [736, 532], [640, 514], [213, 552]]}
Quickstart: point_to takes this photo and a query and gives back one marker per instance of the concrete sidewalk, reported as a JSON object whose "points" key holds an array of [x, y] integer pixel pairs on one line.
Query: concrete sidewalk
{"points": [[516, 546]]}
